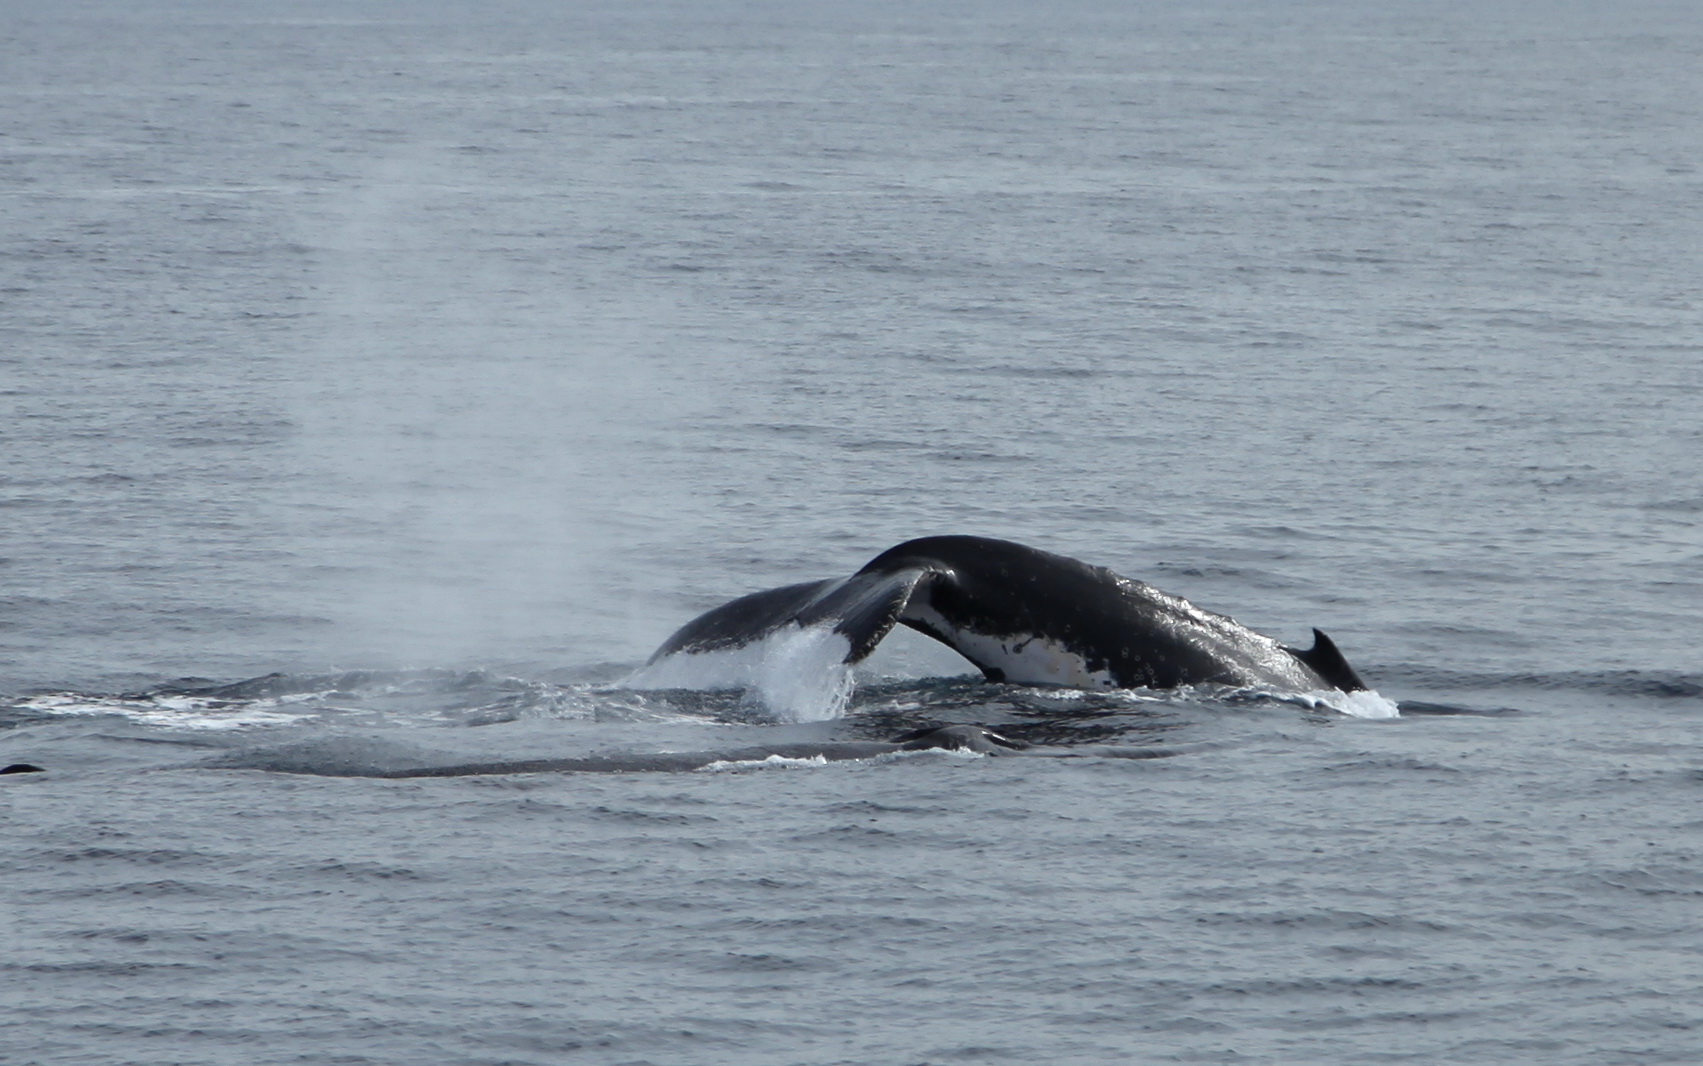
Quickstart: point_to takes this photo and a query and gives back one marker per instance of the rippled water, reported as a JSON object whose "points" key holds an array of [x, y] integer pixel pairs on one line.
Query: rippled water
{"points": [[381, 383]]}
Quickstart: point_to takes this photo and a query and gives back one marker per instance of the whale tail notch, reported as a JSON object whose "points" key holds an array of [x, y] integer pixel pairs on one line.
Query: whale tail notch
{"points": [[1329, 663], [862, 608]]}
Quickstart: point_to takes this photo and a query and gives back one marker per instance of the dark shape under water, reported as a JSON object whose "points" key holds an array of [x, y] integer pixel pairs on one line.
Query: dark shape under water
{"points": [[970, 738], [1025, 616]]}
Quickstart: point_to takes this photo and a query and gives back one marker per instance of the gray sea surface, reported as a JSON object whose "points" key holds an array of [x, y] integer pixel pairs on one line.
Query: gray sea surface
{"points": [[380, 382]]}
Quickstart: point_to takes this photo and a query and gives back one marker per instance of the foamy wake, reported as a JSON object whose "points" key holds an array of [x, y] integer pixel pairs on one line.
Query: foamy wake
{"points": [[1364, 704], [796, 674]]}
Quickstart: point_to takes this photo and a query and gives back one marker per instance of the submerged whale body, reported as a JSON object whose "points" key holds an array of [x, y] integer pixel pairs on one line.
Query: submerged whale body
{"points": [[1024, 616], [962, 738]]}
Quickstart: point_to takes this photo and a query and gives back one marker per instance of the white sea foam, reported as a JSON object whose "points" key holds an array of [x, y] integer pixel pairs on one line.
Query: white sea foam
{"points": [[796, 673], [773, 762], [925, 753], [177, 712], [1363, 704]]}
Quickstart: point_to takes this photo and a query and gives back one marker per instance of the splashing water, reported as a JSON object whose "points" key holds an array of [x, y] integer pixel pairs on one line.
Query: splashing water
{"points": [[795, 674], [1362, 704]]}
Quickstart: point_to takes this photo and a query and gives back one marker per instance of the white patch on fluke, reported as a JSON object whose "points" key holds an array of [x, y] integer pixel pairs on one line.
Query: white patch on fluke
{"points": [[796, 673], [1024, 660]]}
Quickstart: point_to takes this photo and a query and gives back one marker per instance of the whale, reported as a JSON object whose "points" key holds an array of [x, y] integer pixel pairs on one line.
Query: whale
{"points": [[966, 738], [974, 739], [1024, 616], [963, 738]]}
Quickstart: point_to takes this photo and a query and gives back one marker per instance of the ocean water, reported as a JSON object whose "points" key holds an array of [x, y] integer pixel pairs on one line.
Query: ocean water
{"points": [[380, 383]]}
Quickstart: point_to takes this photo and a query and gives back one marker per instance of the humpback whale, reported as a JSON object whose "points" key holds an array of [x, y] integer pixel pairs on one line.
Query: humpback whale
{"points": [[1024, 616], [972, 738], [310, 758]]}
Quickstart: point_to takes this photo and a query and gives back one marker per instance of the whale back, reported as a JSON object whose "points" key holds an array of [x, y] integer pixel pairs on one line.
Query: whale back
{"points": [[1032, 617]]}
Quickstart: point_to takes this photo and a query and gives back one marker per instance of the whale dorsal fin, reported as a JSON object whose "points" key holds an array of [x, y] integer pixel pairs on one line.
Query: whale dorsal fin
{"points": [[1328, 662]]}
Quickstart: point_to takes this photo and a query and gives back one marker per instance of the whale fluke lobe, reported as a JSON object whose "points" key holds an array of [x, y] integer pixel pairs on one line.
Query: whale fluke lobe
{"points": [[1025, 616], [862, 608]]}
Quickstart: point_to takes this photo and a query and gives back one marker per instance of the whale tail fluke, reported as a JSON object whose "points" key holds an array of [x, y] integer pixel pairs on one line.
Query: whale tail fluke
{"points": [[1329, 663], [862, 608]]}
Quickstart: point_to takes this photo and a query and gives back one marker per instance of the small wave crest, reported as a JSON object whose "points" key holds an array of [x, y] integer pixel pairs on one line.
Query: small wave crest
{"points": [[417, 697], [773, 762], [176, 711], [796, 674], [1367, 703]]}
